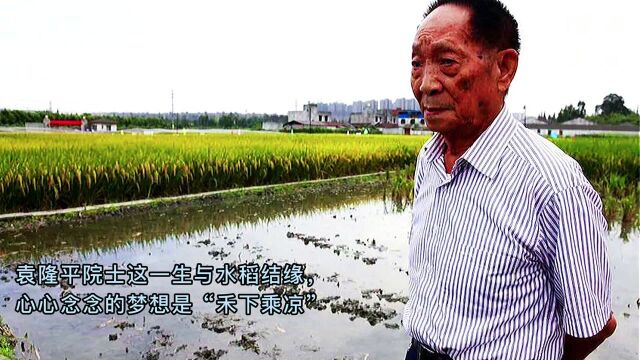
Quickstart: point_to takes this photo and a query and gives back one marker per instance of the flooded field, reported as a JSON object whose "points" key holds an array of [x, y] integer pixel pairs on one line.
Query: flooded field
{"points": [[352, 241]]}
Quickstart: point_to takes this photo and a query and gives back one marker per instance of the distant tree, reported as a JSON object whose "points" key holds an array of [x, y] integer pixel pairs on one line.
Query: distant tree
{"points": [[612, 103], [229, 121], [568, 113], [203, 120], [613, 111], [19, 117], [581, 108]]}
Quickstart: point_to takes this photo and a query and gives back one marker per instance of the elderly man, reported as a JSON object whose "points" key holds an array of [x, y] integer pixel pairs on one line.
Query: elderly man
{"points": [[507, 253]]}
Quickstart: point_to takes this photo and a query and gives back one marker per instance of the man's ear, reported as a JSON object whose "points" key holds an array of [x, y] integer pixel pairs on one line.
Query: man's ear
{"points": [[507, 62]]}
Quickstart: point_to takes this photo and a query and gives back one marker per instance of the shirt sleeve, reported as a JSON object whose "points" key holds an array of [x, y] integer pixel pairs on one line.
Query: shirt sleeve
{"points": [[575, 233]]}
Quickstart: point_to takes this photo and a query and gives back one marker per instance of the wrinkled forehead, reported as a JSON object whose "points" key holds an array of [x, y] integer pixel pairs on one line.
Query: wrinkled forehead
{"points": [[447, 24]]}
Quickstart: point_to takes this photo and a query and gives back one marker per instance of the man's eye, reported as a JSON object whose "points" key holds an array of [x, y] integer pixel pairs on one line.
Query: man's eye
{"points": [[416, 63], [447, 62]]}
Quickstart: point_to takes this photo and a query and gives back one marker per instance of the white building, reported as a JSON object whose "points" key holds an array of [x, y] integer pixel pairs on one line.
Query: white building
{"points": [[103, 126], [310, 115], [580, 126]]}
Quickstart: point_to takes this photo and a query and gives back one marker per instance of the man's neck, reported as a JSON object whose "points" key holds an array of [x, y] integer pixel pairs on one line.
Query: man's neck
{"points": [[458, 142]]}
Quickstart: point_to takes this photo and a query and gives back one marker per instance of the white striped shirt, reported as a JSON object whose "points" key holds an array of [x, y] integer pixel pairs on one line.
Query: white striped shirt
{"points": [[507, 253]]}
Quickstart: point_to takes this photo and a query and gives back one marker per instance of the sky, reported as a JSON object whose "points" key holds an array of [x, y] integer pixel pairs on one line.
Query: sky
{"points": [[271, 56]]}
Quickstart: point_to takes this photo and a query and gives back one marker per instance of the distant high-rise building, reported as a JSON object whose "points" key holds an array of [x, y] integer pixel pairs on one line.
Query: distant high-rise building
{"points": [[414, 105], [385, 104], [342, 112], [357, 106], [371, 105]]}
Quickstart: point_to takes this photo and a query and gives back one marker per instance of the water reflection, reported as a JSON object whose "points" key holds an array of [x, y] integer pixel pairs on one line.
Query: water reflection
{"points": [[157, 225]]}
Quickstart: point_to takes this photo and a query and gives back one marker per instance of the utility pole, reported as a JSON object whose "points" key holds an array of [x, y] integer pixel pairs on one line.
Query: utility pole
{"points": [[309, 110]]}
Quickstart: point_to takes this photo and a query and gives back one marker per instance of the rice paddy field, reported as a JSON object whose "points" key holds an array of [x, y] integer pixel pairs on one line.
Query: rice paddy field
{"points": [[51, 171], [612, 164]]}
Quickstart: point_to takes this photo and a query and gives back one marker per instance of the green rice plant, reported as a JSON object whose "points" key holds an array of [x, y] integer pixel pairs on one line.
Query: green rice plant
{"points": [[49, 171], [617, 185], [601, 156], [7, 342], [6, 349], [612, 165], [629, 209], [611, 210]]}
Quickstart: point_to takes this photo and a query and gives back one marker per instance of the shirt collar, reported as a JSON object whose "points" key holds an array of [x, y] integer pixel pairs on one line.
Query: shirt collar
{"points": [[485, 153]]}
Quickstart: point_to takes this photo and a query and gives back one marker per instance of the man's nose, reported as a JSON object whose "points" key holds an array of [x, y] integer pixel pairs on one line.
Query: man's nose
{"points": [[430, 85]]}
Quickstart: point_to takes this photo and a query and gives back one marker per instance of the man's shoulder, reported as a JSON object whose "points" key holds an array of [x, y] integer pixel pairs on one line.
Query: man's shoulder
{"points": [[548, 163]]}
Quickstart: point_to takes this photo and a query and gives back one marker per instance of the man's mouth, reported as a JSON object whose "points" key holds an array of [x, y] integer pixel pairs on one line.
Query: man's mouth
{"points": [[431, 111]]}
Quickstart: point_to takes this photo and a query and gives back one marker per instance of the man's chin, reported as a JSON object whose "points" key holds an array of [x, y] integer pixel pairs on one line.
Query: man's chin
{"points": [[437, 124]]}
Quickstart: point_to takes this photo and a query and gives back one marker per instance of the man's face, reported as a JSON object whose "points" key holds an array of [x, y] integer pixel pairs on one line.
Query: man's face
{"points": [[452, 77]]}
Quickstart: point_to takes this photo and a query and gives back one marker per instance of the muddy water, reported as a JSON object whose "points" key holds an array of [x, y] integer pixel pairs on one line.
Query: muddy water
{"points": [[354, 246]]}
